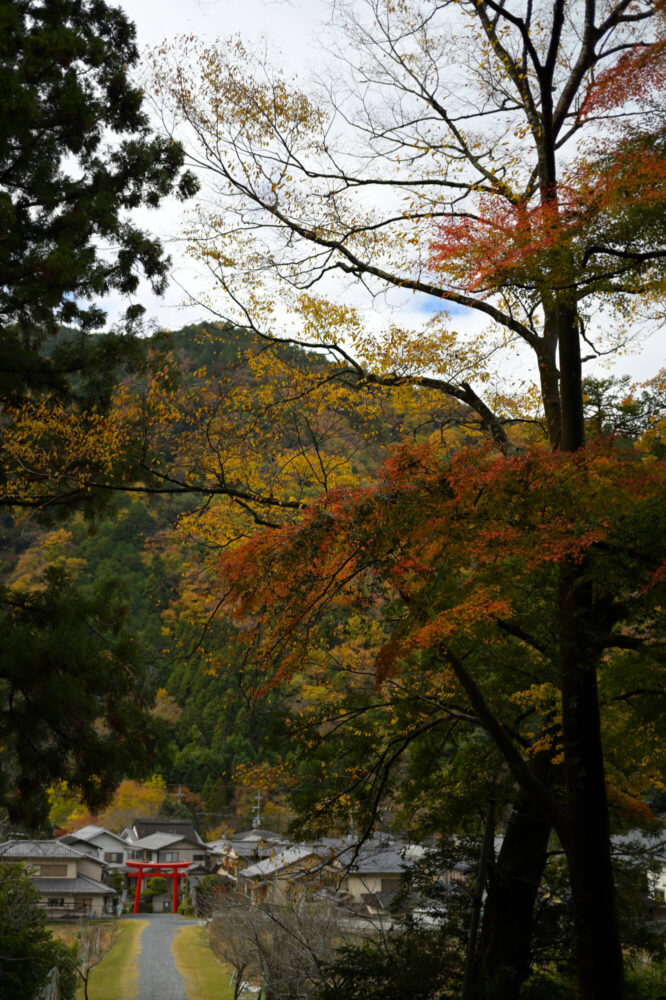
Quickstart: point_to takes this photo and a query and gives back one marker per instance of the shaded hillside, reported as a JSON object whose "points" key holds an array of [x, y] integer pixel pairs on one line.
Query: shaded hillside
{"points": [[158, 552]]}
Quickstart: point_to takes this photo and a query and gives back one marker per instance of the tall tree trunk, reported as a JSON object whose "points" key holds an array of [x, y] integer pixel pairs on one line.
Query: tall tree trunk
{"points": [[598, 949], [505, 946], [587, 839], [549, 380], [571, 379]]}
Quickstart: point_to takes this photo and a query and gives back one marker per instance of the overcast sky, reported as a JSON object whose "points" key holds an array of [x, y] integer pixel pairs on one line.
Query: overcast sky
{"points": [[289, 22], [291, 28]]}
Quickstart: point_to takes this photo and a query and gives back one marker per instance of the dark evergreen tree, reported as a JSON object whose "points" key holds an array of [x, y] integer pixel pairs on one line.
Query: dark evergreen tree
{"points": [[28, 952], [76, 154], [71, 704]]}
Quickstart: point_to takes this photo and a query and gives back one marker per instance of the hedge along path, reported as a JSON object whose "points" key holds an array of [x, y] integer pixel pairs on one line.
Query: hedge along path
{"points": [[117, 975], [205, 977]]}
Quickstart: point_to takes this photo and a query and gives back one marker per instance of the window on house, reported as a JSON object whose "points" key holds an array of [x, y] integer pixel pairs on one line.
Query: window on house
{"points": [[53, 871], [198, 857], [390, 884], [55, 901], [113, 857], [171, 856]]}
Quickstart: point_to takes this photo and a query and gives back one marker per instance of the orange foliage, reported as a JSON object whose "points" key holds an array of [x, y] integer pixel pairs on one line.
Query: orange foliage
{"points": [[605, 200], [635, 74], [556, 243], [486, 522], [456, 559], [634, 808]]}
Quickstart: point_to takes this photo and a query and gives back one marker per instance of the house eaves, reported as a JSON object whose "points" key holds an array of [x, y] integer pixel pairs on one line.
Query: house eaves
{"points": [[36, 849], [80, 884]]}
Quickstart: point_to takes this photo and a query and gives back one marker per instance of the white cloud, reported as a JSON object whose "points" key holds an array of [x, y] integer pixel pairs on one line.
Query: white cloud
{"points": [[292, 29]]}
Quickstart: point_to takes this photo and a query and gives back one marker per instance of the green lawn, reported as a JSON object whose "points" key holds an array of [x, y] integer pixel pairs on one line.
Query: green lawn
{"points": [[205, 977], [117, 975]]}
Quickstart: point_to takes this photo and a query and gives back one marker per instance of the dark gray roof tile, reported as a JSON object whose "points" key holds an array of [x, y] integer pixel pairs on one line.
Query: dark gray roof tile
{"points": [[20, 849], [68, 886]]}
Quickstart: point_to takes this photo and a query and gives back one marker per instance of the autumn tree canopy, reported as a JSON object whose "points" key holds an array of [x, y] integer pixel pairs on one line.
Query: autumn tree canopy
{"points": [[504, 158]]}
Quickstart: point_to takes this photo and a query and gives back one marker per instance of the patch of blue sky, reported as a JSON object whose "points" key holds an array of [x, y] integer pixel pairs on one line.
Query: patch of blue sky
{"points": [[428, 305]]}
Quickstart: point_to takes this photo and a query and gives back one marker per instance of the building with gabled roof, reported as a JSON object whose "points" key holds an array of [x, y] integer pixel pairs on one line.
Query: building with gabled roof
{"points": [[170, 847], [373, 873], [367, 876], [257, 833], [234, 853], [288, 872], [141, 828], [68, 880], [109, 847]]}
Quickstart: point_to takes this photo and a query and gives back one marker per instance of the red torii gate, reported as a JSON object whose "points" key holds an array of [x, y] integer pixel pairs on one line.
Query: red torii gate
{"points": [[164, 869]]}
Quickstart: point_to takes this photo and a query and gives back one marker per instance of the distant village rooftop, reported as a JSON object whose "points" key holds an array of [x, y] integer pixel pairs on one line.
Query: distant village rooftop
{"points": [[141, 828], [40, 849]]}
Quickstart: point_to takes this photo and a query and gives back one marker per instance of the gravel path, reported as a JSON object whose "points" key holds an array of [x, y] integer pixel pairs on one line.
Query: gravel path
{"points": [[158, 976]]}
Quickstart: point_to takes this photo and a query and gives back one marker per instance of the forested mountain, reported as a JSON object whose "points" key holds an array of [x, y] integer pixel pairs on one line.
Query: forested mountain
{"points": [[157, 552], [221, 403]]}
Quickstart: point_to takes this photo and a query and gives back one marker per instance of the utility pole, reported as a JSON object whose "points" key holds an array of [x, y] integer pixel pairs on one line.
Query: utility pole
{"points": [[256, 822]]}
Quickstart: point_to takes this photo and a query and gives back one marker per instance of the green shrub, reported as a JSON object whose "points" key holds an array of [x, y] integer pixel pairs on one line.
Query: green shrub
{"points": [[647, 984], [27, 949], [155, 887], [547, 986]]}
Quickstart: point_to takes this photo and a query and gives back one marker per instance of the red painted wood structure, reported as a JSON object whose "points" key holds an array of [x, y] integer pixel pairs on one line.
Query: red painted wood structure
{"points": [[157, 869]]}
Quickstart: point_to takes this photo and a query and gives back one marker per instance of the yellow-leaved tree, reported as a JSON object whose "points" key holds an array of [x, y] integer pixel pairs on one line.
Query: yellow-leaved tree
{"points": [[131, 799]]}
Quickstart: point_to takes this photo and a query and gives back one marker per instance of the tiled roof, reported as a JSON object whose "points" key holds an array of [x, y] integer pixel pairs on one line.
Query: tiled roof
{"points": [[81, 845], [257, 834], [91, 831], [178, 827], [156, 841], [369, 860], [379, 853], [40, 849], [283, 859], [248, 848], [374, 860], [223, 845], [80, 884]]}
